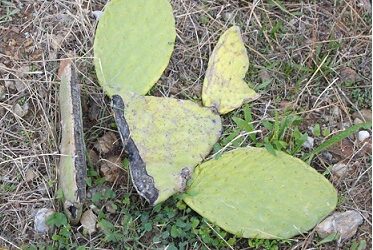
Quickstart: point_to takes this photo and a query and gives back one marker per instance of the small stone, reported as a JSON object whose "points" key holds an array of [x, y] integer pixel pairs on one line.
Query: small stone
{"points": [[346, 125], [358, 121], [88, 221], [25, 108], [328, 156], [2, 92], [264, 76], [106, 143], [23, 70], [20, 86], [330, 119], [309, 143], [19, 110], [345, 224], [339, 169], [286, 105], [97, 14], [9, 83], [30, 175], [293, 22], [348, 74], [111, 207], [40, 220], [362, 135], [227, 16], [364, 114], [336, 112]]}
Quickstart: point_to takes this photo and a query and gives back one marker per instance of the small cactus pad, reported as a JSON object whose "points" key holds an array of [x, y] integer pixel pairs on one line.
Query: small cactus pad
{"points": [[133, 45], [255, 194], [224, 87], [171, 136], [72, 165]]}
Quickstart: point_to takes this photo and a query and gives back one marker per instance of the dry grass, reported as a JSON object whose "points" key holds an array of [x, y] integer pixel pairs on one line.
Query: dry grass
{"points": [[310, 52]]}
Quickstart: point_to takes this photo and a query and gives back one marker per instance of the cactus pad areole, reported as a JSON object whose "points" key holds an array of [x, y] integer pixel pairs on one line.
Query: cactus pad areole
{"points": [[252, 193]]}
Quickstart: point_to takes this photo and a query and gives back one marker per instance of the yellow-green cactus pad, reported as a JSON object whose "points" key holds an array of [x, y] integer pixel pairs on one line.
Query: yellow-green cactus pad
{"points": [[255, 194], [133, 44], [166, 139], [224, 87]]}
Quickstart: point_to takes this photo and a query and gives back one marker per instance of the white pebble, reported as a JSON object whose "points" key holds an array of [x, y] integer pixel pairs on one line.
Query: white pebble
{"points": [[40, 221], [97, 14], [228, 16], [362, 135], [309, 143]]}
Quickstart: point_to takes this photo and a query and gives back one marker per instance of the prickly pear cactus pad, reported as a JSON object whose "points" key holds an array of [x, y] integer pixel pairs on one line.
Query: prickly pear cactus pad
{"points": [[72, 165], [171, 137], [252, 193], [133, 44], [224, 87]]}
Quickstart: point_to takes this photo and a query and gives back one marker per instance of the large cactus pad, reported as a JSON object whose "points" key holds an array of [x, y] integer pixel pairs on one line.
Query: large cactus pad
{"points": [[171, 137], [224, 87], [133, 44], [253, 193]]}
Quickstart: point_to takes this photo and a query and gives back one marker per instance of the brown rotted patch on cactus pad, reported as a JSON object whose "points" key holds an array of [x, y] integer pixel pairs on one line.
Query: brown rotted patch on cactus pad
{"points": [[143, 183]]}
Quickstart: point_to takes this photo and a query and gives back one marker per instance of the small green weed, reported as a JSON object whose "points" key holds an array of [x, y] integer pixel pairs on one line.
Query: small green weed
{"points": [[284, 134], [362, 97], [171, 224], [281, 133], [9, 10], [337, 138], [358, 245], [329, 238], [165, 226], [267, 244], [8, 187]]}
